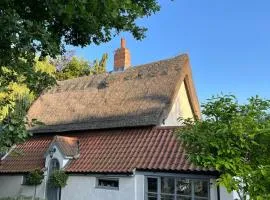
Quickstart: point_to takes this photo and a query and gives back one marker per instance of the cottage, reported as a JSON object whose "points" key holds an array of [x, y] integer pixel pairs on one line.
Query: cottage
{"points": [[113, 134]]}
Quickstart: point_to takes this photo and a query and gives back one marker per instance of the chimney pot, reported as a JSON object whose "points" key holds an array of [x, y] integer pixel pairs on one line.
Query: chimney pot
{"points": [[123, 43]]}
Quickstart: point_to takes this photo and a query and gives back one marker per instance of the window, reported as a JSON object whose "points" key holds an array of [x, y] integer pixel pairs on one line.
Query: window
{"points": [[152, 188], [108, 183], [173, 188]]}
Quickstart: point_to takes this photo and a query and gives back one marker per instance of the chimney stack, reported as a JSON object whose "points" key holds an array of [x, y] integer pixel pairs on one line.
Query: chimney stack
{"points": [[122, 57]]}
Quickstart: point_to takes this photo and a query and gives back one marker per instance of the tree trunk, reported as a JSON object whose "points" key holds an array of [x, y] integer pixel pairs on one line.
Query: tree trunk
{"points": [[35, 191]]}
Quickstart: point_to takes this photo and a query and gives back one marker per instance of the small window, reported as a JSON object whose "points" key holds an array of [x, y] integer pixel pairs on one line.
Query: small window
{"points": [[108, 183]]}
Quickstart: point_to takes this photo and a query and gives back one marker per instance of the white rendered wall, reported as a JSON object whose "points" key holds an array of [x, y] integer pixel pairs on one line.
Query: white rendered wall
{"points": [[10, 186], [139, 187], [224, 195], [180, 108], [84, 188]]}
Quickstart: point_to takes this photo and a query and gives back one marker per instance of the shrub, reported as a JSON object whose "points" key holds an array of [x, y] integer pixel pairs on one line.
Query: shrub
{"points": [[58, 179]]}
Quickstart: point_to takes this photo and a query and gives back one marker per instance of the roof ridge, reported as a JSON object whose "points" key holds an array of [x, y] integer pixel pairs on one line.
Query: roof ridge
{"points": [[184, 55]]}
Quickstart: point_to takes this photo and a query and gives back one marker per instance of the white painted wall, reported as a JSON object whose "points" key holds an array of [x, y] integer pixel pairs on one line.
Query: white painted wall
{"points": [[139, 187], [180, 108], [84, 188], [10, 186], [224, 195]]}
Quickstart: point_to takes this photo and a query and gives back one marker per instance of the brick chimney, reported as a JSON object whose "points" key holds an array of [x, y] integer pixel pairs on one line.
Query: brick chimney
{"points": [[122, 57]]}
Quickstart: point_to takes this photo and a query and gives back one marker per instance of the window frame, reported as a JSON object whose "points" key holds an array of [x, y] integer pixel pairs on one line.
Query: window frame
{"points": [[107, 179], [192, 196]]}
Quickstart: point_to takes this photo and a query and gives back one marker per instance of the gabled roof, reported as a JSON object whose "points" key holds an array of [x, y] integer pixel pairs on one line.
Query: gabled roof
{"points": [[68, 146], [110, 151], [139, 96]]}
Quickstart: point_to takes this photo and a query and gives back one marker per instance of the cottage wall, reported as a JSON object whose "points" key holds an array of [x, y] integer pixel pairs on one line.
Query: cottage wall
{"points": [[11, 186], [83, 187], [180, 108]]}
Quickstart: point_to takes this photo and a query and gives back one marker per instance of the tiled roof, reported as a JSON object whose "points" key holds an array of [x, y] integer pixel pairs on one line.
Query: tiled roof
{"points": [[27, 156], [68, 145], [139, 96], [111, 151]]}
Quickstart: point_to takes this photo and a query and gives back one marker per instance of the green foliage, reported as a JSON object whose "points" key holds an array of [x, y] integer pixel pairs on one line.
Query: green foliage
{"points": [[99, 67], [78, 67], [18, 88], [58, 179], [32, 26], [34, 177], [234, 139], [75, 68]]}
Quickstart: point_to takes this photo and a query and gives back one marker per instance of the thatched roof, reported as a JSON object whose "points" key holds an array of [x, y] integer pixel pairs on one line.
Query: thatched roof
{"points": [[139, 96]]}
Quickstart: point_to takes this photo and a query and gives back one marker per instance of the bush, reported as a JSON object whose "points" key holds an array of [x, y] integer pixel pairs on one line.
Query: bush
{"points": [[58, 179], [34, 177]]}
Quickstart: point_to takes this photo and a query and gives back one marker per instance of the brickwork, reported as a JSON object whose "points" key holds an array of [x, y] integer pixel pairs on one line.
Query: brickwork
{"points": [[122, 58]]}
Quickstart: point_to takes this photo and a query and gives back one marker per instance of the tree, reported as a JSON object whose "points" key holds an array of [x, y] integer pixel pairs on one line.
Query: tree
{"points": [[34, 178], [75, 67], [42, 28], [99, 67], [18, 88], [32, 26], [233, 139]]}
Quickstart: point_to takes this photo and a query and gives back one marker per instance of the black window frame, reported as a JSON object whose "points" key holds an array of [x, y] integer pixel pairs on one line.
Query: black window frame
{"points": [[192, 196], [98, 179]]}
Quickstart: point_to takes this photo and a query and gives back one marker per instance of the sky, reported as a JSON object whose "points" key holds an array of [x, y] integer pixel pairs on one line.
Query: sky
{"points": [[228, 42]]}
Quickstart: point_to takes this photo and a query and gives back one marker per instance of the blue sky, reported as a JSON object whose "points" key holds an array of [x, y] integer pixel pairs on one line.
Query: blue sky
{"points": [[228, 43]]}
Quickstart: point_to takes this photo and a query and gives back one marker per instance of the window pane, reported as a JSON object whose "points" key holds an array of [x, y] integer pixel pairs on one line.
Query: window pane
{"points": [[201, 188], [183, 198], [167, 197], [152, 184], [167, 185], [108, 183], [152, 197], [183, 186]]}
